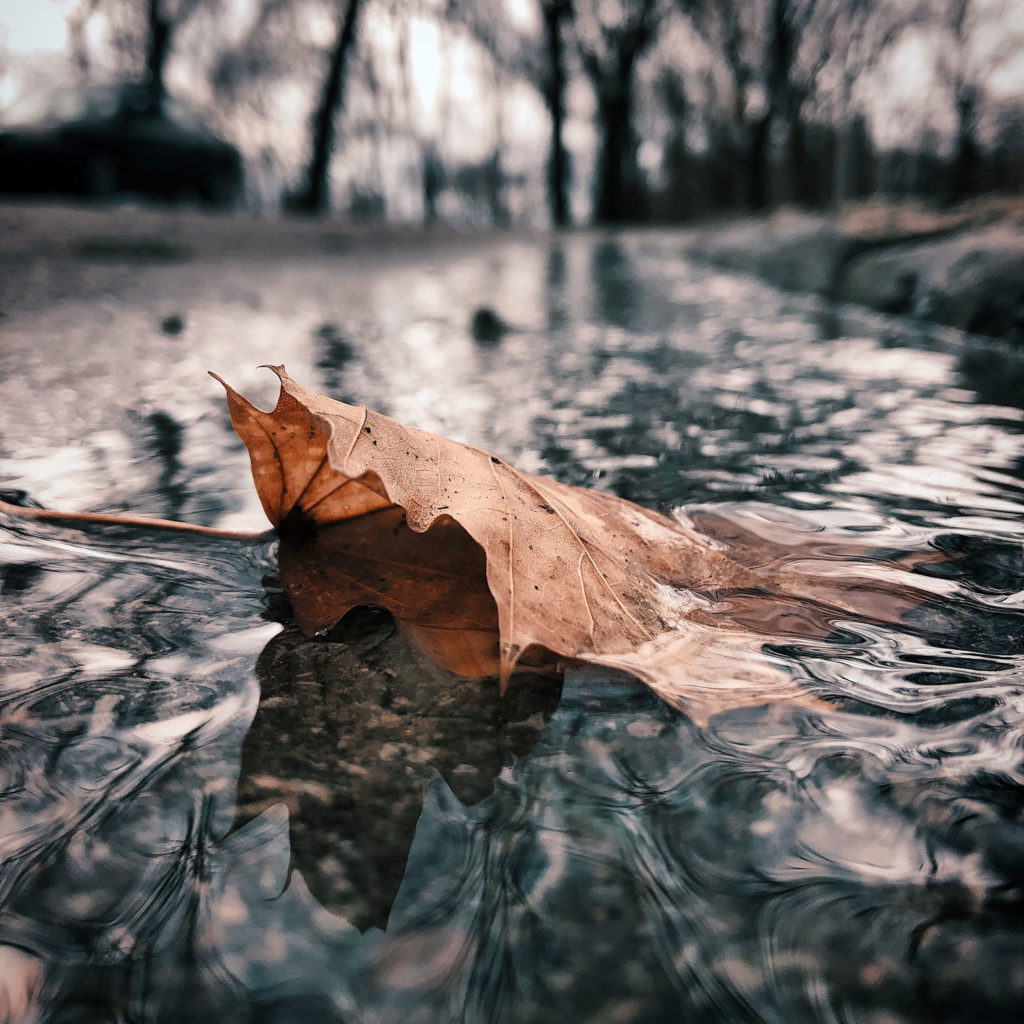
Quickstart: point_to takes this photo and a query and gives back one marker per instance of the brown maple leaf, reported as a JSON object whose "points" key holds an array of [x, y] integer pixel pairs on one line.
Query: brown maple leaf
{"points": [[487, 568]]}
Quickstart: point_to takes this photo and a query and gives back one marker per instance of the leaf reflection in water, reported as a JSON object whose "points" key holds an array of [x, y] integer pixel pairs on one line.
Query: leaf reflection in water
{"points": [[350, 730]]}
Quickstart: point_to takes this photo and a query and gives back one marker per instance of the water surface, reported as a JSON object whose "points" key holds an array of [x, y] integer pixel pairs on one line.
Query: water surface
{"points": [[204, 813]]}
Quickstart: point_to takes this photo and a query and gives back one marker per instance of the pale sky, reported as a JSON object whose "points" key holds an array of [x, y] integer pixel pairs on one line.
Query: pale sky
{"points": [[33, 26]]}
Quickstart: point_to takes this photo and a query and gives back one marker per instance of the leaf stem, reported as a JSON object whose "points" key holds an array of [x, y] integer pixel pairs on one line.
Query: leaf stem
{"points": [[83, 518]]}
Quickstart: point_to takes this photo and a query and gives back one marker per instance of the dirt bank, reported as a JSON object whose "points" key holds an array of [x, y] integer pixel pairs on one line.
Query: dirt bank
{"points": [[963, 267]]}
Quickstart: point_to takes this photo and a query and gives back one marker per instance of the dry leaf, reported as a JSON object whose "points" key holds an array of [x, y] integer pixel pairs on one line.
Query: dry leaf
{"points": [[487, 568]]}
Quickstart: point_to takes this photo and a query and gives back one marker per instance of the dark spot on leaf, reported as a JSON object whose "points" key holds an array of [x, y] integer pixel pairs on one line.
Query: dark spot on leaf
{"points": [[368, 430], [495, 460], [547, 508]]}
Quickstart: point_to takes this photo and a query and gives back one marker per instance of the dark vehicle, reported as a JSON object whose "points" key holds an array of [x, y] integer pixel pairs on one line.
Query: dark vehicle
{"points": [[102, 142]]}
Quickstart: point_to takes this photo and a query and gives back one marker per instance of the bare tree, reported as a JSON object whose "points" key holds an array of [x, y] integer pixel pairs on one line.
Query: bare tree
{"points": [[975, 40], [513, 56], [542, 63], [144, 34], [313, 196], [158, 46], [863, 33], [556, 13], [278, 48], [737, 32], [966, 96], [773, 52], [610, 44]]}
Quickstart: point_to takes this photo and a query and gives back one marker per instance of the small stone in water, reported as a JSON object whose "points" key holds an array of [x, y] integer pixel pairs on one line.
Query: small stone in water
{"points": [[172, 325], [486, 326]]}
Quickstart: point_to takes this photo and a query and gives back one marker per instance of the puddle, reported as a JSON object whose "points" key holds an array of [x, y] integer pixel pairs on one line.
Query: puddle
{"points": [[205, 815]]}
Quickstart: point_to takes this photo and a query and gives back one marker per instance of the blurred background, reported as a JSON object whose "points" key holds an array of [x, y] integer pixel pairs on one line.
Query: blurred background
{"points": [[513, 112]]}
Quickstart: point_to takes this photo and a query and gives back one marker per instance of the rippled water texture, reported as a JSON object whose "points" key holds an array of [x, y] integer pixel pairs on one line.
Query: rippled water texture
{"points": [[206, 816]]}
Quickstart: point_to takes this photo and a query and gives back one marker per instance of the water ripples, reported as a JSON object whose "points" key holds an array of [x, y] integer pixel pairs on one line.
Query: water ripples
{"points": [[203, 814]]}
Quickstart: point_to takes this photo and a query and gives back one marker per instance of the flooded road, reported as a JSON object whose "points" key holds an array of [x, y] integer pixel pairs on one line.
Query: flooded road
{"points": [[204, 813]]}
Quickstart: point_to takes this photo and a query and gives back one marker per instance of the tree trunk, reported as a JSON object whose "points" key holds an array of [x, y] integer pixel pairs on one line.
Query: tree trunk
{"points": [[842, 171], [432, 181], [494, 179], [778, 58], [758, 164], [966, 157], [801, 183], [619, 189], [853, 171], [554, 94], [158, 46], [314, 196], [842, 156]]}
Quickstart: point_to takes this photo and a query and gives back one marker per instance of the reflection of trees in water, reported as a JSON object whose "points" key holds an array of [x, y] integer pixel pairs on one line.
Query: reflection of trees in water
{"points": [[336, 352], [617, 291], [555, 281], [167, 440]]}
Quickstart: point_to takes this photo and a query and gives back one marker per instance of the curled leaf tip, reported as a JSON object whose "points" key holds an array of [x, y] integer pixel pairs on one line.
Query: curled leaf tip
{"points": [[234, 398]]}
